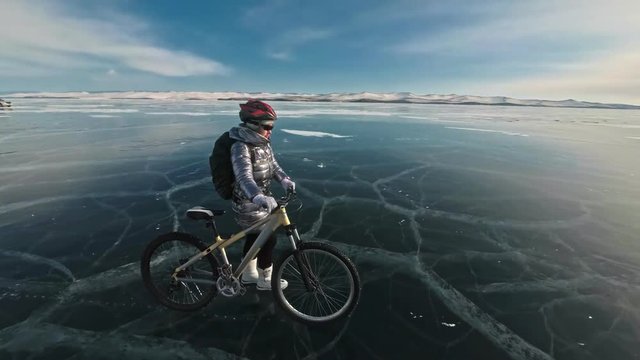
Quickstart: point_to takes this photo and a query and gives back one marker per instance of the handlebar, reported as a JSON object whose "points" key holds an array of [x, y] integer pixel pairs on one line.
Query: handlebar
{"points": [[284, 201], [290, 195]]}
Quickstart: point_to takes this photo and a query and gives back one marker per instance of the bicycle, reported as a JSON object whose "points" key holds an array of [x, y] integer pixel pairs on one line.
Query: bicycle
{"points": [[323, 284]]}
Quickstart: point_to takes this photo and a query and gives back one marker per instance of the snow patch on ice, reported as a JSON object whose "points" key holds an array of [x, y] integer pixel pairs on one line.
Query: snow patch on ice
{"points": [[76, 110], [179, 113], [314, 133], [622, 126], [329, 111], [434, 119], [487, 130]]}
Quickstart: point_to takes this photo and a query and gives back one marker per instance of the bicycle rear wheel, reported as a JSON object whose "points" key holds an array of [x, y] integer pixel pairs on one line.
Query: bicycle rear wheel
{"points": [[195, 286], [323, 284]]}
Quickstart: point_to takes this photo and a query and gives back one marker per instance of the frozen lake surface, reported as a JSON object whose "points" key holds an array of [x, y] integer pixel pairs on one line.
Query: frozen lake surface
{"points": [[489, 232]]}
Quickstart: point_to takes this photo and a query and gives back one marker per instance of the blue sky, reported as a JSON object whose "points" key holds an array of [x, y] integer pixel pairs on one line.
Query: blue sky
{"points": [[586, 50]]}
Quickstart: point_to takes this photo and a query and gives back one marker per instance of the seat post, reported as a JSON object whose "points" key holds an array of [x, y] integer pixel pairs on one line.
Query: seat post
{"points": [[212, 224]]}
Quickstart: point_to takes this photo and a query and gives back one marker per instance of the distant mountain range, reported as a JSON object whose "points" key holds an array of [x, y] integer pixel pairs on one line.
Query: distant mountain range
{"points": [[396, 97]]}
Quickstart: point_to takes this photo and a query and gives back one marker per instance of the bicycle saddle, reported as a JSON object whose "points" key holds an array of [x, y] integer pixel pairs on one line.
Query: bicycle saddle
{"points": [[200, 213]]}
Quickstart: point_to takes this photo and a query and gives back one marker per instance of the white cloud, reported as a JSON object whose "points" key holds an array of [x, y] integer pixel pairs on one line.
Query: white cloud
{"points": [[606, 32], [304, 35], [609, 78], [44, 36], [280, 55], [268, 9], [283, 46], [541, 21]]}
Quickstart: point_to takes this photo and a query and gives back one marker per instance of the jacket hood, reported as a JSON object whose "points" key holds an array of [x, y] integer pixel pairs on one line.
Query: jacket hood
{"points": [[244, 134]]}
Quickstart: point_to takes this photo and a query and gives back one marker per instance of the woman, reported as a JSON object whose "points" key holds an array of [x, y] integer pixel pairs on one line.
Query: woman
{"points": [[254, 165]]}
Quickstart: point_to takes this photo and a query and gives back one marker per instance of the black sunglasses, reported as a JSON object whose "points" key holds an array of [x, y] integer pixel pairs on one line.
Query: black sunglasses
{"points": [[264, 126]]}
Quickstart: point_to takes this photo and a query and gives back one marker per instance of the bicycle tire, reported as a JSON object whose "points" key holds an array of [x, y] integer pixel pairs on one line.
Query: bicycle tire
{"points": [[289, 299], [167, 259]]}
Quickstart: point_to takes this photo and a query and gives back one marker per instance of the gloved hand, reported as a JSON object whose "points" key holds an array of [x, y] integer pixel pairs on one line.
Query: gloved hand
{"points": [[266, 202], [288, 184]]}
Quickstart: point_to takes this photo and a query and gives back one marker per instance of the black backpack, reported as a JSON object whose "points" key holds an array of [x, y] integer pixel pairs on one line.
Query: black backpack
{"points": [[221, 167]]}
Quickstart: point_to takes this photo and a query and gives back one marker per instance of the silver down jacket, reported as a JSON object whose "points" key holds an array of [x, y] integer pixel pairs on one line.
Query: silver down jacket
{"points": [[253, 166]]}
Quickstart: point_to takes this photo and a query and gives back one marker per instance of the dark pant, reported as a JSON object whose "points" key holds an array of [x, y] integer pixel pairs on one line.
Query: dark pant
{"points": [[266, 252]]}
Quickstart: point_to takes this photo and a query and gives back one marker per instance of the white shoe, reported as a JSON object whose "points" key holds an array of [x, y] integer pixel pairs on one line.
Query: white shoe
{"points": [[264, 280], [250, 273]]}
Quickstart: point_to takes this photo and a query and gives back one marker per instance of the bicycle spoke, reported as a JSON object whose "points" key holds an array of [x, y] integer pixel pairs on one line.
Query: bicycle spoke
{"points": [[332, 287], [202, 272], [301, 299], [195, 285], [332, 278], [331, 300], [333, 266], [297, 274], [197, 288], [333, 303], [318, 303], [327, 302], [344, 294], [318, 297]]}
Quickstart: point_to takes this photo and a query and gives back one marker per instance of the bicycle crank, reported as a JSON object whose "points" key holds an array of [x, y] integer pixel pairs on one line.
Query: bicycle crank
{"points": [[230, 286]]}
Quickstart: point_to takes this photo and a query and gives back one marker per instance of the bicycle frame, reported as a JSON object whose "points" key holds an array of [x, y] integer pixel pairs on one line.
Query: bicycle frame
{"points": [[271, 223]]}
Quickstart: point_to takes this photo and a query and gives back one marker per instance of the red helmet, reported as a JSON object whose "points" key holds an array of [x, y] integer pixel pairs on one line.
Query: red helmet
{"points": [[256, 110]]}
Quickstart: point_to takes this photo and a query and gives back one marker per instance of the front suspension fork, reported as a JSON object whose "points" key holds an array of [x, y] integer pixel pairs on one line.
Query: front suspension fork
{"points": [[303, 263]]}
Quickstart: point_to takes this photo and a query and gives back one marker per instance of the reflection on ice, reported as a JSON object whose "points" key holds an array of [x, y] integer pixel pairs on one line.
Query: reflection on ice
{"points": [[91, 344]]}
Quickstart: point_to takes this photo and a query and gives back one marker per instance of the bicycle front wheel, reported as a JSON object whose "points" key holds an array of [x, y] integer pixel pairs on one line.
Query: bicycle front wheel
{"points": [[194, 286], [323, 284]]}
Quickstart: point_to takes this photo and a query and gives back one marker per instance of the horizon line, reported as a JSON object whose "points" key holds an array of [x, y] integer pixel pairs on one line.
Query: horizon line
{"points": [[409, 97]]}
